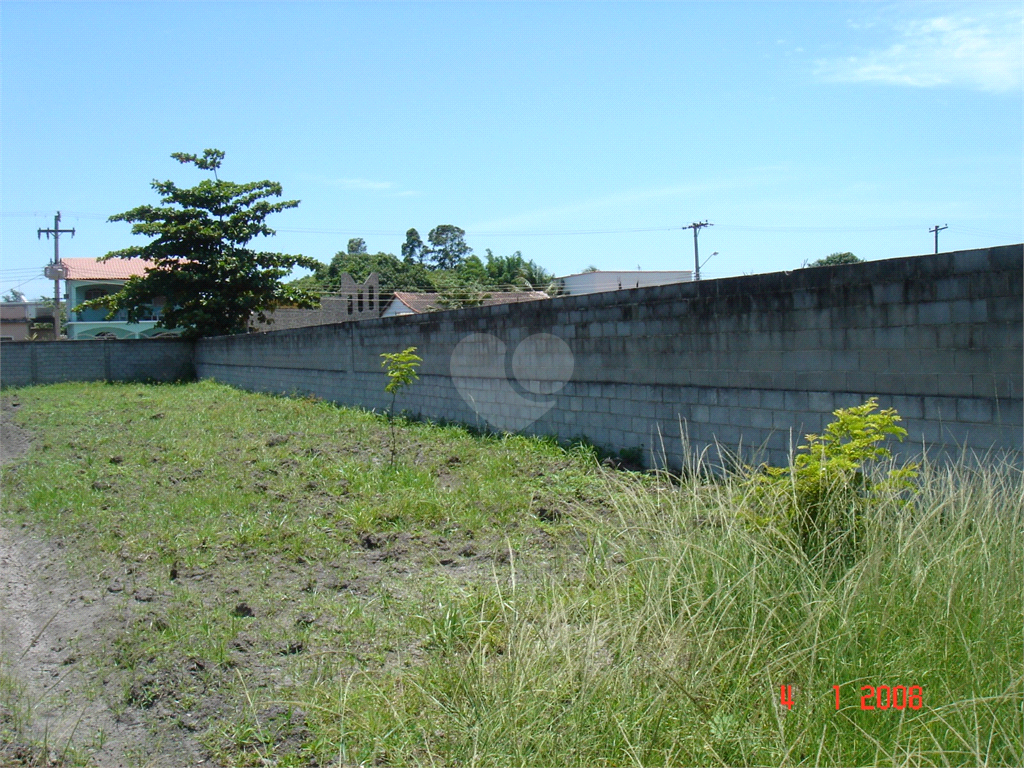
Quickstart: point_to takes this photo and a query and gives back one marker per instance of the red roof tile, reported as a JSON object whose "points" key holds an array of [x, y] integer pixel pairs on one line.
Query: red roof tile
{"points": [[112, 269]]}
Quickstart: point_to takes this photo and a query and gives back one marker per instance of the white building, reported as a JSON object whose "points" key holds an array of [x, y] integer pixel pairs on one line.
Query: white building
{"points": [[600, 281], [19, 318]]}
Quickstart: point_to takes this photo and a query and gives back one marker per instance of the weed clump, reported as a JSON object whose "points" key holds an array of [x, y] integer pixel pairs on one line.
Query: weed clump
{"points": [[819, 501]]}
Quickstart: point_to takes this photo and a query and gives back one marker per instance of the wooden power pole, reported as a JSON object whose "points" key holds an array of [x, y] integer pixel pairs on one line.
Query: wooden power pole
{"points": [[56, 269], [936, 231]]}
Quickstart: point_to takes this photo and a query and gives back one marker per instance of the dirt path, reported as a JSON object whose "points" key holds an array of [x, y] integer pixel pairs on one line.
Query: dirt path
{"points": [[51, 628]]}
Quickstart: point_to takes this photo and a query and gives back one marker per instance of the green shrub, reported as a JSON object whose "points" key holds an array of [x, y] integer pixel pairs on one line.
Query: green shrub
{"points": [[819, 501]]}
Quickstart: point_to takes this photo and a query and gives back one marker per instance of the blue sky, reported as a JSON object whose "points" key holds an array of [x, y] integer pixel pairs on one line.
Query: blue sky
{"points": [[578, 133]]}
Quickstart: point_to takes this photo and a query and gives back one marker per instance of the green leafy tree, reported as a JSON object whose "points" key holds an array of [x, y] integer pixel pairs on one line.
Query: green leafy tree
{"points": [[836, 258], [212, 283], [357, 245], [401, 370], [505, 270], [448, 247], [412, 248], [514, 270], [455, 290], [395, 275], [472, 271], [457, 297], [538, 277], [12, 295]]}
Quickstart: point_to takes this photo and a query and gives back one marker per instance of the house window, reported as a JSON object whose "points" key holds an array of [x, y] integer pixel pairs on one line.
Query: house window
{"points": [[95, 293]]}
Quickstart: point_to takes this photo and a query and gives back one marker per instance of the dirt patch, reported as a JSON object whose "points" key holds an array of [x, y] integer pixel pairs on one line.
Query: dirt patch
{"points": [[54, 627], [14, 441]]}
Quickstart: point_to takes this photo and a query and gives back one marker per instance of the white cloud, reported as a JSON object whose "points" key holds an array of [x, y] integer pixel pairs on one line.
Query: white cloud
{"points": [[361, 184], [945, 50], [606, 210], [364, 185], [595, 205]]}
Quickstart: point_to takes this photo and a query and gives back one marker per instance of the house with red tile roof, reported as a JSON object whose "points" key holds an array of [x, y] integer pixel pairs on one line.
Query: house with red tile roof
{"points": [[87, 279], [405, 303]]}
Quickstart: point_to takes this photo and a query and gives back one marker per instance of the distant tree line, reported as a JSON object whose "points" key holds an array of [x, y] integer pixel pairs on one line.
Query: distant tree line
{"points": [[444, 264]]}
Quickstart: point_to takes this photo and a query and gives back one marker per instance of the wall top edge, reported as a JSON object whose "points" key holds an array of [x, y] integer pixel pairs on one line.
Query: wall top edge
{"points": [[114, 342]]}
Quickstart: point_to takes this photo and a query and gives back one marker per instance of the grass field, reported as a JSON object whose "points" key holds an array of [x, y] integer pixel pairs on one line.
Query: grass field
{"points": [[290, 598]]}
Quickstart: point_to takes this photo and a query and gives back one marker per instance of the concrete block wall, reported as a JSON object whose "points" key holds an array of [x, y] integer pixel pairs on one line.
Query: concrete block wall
{"points": [[754, 362], [47, 362]]}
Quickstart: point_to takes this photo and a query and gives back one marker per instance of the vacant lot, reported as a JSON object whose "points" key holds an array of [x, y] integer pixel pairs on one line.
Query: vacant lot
{"points": [[211, 576]]}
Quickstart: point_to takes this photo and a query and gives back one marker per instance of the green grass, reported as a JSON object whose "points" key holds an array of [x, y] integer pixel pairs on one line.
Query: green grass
{"points": [[646, 625]]}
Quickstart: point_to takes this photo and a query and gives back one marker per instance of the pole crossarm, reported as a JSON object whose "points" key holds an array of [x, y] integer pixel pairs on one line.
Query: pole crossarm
{"points": [[56, 232]]}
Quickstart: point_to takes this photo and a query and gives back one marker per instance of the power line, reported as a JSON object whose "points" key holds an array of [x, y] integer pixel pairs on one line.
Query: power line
{"points": [[39, 215], [23, 282], [1015, 237], [782, 228], [630, 230], [472, 233], [800, 228]]}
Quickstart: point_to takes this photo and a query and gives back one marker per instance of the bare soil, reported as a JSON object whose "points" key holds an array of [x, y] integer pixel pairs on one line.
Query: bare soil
{"points": [[52, 626]]}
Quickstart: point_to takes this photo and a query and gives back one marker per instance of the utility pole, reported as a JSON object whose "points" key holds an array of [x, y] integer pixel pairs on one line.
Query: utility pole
{"points": [[56, 270], [936, 231], [696, 226]]}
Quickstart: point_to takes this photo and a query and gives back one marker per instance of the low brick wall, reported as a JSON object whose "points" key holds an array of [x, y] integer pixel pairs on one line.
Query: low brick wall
{"points": [[47, 362]]}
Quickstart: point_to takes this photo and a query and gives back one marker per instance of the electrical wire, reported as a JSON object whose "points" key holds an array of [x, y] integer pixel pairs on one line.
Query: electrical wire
{"points": [[49, 215], [781, 228], [24, 282], [559, 233]]}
